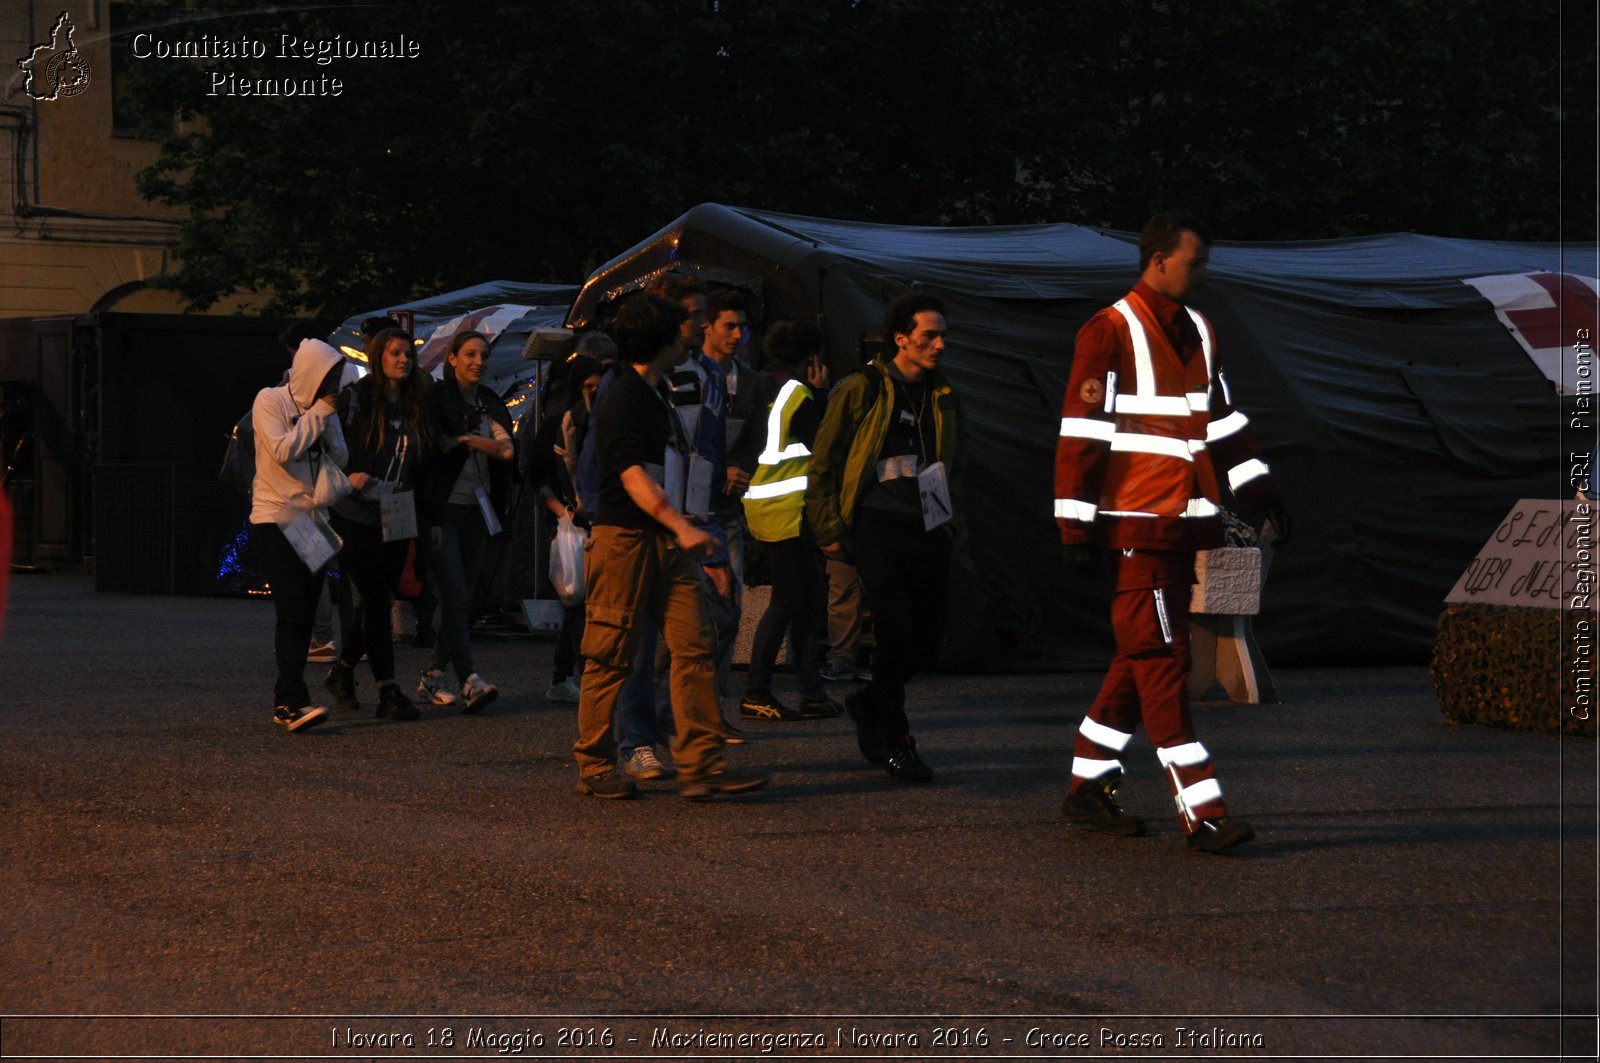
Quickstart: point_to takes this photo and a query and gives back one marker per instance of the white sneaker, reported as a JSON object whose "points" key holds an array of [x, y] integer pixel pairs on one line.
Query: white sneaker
{"points": [[566, 690], [433, 690], [644, 765], [477, 692], [298, 719]]}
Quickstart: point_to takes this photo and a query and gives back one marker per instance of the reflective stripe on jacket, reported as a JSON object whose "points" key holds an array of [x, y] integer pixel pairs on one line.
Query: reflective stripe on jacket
{"points": [[1142, 438], [776, 499]]}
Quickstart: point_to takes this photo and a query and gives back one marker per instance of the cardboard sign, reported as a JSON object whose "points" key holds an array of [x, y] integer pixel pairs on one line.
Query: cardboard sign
{"points": [[1542, 556]]}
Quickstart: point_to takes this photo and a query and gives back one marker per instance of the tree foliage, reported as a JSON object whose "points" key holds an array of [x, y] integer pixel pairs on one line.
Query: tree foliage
{"points": [[536, 141]]}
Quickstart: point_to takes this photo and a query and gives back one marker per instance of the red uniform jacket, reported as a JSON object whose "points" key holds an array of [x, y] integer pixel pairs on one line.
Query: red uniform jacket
{"points": [[1149, 435]]}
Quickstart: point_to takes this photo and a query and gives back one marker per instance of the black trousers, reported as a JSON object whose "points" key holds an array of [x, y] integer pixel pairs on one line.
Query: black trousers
{"points": [[369, 568], [797, 610], [295, 590], [905, 577]]}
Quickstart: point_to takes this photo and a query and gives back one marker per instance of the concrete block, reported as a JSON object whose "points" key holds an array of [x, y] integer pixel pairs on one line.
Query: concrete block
{"points": [[1229, 581]]}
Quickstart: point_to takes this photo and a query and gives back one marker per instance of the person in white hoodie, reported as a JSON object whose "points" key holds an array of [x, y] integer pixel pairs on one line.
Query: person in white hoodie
{"points": [[296, 432]]}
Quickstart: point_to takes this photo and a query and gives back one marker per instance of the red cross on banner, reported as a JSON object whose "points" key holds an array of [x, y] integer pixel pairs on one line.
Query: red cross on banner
{"points": [[1571, 310], [1554, 316]]}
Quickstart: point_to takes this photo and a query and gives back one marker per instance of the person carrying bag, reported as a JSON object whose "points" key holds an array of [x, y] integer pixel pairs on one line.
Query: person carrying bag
{"points": [[390, 436], [299, 447]]}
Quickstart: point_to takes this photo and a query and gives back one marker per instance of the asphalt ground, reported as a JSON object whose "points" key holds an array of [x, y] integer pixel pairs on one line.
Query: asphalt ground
{"points": [[184, 879]]}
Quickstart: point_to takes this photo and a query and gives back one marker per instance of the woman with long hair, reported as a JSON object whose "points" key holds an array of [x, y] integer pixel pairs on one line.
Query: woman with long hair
{"points": [[474, 477], [391, 441]]}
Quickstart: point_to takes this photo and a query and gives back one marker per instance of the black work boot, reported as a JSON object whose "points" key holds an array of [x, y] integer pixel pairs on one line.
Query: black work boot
{"points": [[341, 683], [904, 765], [1217, 835], [1095, 806]]}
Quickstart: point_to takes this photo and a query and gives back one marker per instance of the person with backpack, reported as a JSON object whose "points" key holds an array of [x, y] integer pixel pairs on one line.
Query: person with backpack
{"points": [[642, 562], [296, 435], [239, 472], [879, 490]]}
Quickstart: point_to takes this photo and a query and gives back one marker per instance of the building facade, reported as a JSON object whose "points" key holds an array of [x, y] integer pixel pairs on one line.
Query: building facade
{"points": [[75, 235]]}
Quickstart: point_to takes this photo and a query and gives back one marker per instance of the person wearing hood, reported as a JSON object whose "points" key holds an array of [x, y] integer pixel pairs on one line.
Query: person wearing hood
{"points": [[296, 433]]}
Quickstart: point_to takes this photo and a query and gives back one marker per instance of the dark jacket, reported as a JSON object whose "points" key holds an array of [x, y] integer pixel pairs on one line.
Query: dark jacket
{"points": [[355, 417], [845, 452], [453, 416]]}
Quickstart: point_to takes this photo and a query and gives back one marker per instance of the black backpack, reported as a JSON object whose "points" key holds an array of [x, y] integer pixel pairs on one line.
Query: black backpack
{"points": [[239, 463]]}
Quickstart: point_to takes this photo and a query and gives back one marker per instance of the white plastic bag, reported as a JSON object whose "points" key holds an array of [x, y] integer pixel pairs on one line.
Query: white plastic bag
{"points": [[566, 562], [332, 485]]}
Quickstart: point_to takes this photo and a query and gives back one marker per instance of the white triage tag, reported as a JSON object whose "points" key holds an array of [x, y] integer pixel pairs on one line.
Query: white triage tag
{"points": [[490, 521], [935, 491], [312, 537], [397, 511]]}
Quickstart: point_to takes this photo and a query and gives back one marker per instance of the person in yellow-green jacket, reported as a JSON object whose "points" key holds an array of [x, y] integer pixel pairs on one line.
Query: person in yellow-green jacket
{"points": [[879, 492], [774, 512]]}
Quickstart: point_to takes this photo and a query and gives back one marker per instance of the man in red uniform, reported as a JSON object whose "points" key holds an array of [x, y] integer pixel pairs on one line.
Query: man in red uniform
{"points": [[1149, 437]]}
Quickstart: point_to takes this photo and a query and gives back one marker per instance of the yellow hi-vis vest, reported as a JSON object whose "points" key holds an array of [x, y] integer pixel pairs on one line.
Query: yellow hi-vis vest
{"points": [[776, 499]]}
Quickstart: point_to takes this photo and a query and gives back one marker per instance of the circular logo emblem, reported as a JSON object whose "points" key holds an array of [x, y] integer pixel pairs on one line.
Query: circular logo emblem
{"points": [[67, 73], [1092, 392]]}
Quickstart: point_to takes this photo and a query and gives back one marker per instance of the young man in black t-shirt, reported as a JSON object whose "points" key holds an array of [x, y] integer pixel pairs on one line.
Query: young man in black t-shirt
{"points": [[641, 560]]}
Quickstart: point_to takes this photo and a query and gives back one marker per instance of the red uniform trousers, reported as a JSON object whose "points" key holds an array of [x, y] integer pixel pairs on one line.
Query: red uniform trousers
{"points": [[1149, 680]]}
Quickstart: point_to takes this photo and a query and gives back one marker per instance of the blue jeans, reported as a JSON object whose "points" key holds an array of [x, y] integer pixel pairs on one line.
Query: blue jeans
{"points": [[644, 710], [455, 567], [643, 718]]}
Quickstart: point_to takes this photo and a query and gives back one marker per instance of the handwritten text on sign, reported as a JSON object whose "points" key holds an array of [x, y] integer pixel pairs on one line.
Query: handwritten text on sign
{"points": [[1542, 555]]}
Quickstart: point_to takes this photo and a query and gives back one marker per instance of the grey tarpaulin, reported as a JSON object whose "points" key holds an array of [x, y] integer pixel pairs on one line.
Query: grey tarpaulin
{"points": [[1401, 418], [511, 311]]}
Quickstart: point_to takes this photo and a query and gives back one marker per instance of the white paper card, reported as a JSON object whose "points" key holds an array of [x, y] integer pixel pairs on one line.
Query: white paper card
{"points": [[312, 537], [935, 491], [398, 512], [490, 521]]}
